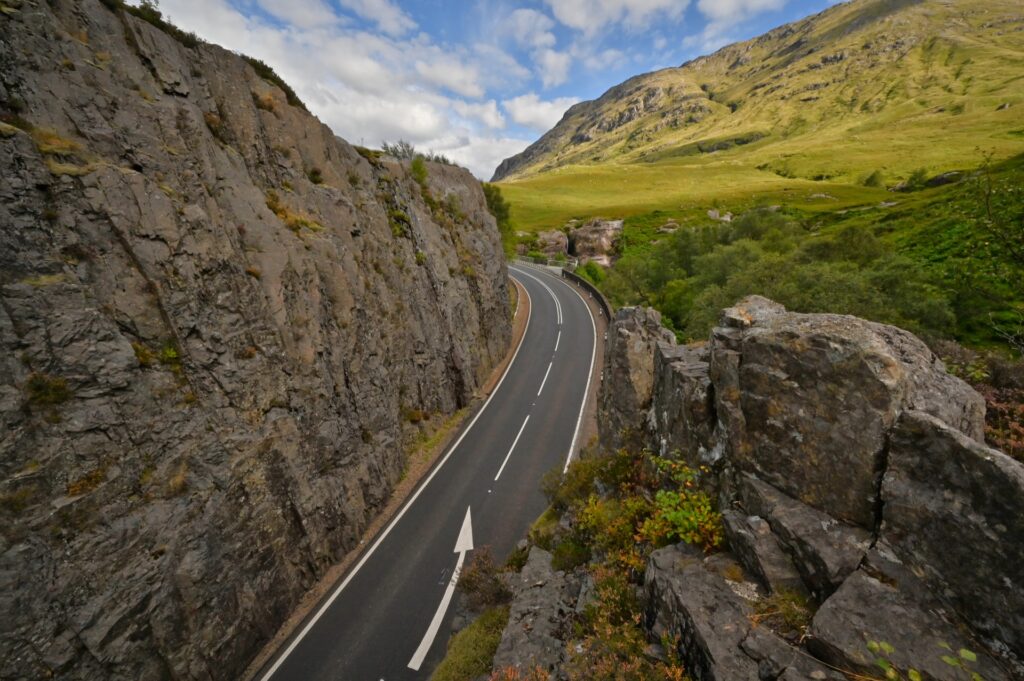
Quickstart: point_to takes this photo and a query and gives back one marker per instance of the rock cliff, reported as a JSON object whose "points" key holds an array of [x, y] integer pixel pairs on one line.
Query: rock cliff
{"points": [[220, 326], [848, 466]]}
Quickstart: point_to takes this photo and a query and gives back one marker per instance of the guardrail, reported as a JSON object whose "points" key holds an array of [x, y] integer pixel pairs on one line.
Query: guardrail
{"points": [[569, 263], [602, 302]]}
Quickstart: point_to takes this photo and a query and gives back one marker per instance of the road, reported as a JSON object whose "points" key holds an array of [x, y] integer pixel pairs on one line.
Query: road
{"points": [[388, 618]]}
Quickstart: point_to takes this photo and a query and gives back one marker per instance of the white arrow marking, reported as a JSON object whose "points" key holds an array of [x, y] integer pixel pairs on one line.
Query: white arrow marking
{"points": [[462, 545]]}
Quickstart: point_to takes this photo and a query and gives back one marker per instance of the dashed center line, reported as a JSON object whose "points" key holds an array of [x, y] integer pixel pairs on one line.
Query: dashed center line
{"points": [[558, 339], [514, 442], [545, 378]]}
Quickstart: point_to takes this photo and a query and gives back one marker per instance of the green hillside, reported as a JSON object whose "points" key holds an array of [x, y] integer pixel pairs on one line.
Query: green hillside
{"points": [[810, 108]]}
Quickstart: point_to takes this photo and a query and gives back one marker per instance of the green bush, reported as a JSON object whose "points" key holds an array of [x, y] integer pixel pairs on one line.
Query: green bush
{"points": [[471, 651], [875, 179], [500, 208], [418, 170]]}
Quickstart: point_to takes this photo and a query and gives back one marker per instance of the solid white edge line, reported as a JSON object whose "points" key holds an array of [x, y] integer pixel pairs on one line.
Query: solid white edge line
{"points": [[590, 374], [545, 378], [394, 521], [514, 443]]}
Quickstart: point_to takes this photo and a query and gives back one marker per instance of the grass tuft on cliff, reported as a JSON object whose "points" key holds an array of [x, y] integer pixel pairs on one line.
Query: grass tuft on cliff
{"points": [[471, 651]]}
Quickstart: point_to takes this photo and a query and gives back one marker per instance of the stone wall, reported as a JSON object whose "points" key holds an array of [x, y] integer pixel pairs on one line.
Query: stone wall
{"points": [[218, 325]]}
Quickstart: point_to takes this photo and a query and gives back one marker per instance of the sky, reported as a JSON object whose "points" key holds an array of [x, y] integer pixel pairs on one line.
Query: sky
{"points": [[475, 81]]}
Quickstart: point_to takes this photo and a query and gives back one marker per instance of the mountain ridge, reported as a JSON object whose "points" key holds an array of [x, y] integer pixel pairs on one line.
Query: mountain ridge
{"points": [[822, 75]]}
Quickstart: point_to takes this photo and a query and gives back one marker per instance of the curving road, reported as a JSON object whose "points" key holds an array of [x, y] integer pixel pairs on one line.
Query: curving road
{"points": [[388, 619]]}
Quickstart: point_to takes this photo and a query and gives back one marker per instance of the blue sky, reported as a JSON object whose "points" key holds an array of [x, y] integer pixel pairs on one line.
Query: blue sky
{"points": [[477, 81]]}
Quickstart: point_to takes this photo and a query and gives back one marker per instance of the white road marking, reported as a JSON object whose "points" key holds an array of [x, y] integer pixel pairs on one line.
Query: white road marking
{"points": [[514, 442], [383, 535], [590, 373], [558, 305], [558, 339], [545, 378], [463, 544]]}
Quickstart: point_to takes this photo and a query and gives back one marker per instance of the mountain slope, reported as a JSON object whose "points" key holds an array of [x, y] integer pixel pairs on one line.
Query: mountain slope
{"points": [[896, 84], [222, 330]]}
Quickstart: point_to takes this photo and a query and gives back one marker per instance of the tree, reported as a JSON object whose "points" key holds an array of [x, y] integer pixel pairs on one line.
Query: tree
{"points": [[502, 212]]}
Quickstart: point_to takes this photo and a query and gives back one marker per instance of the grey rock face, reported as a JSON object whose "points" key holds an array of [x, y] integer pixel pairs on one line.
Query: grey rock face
{"points": [[205, 358], [695, 606], [597, 241], [682, 415], [803, 396], [757, 547], [543, 598], [954, 514], [553, 242], [629, 366], [824, 550], [864, 609], [843, 450]]}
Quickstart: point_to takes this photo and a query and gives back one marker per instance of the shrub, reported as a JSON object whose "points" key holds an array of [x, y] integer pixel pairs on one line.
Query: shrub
{"points": [[501, 209], [148, 11], [46, 390], [264, 71], [418, 170], [569, 553], [143, 354], [401, 150], [315, 175], [875, 179], [787, 613], [264, 101], [481, 581], [471, 651], [215, 124], [421, 258]]}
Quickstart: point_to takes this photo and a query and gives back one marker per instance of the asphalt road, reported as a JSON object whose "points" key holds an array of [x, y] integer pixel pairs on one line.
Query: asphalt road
{"points": [[376, 623]]}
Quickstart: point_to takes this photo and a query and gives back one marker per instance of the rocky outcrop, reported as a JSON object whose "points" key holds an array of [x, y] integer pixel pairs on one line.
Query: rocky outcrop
{"points": [[597, 241], [218, 323], [542, 599], [954, 513], [793, 427], [629, 366], [848, 465]]}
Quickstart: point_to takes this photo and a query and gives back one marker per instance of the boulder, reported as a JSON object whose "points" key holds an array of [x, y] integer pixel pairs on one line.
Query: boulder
{"points": [[864, 610], [954, 513], [802, 396], [596, 241], [698, 609], [553, 243], [543, 598], [752, 540], [824, 550], [629, 367], [682, 405]]}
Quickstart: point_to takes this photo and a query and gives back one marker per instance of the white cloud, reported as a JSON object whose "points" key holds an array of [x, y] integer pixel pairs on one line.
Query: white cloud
{"points": [[391, 19], [553, 67], [596, 61], [533, 112], [530, 28], [451, 73], [481, 154], [591, 16], [734, 11], [301, 13], [485, 112]]}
